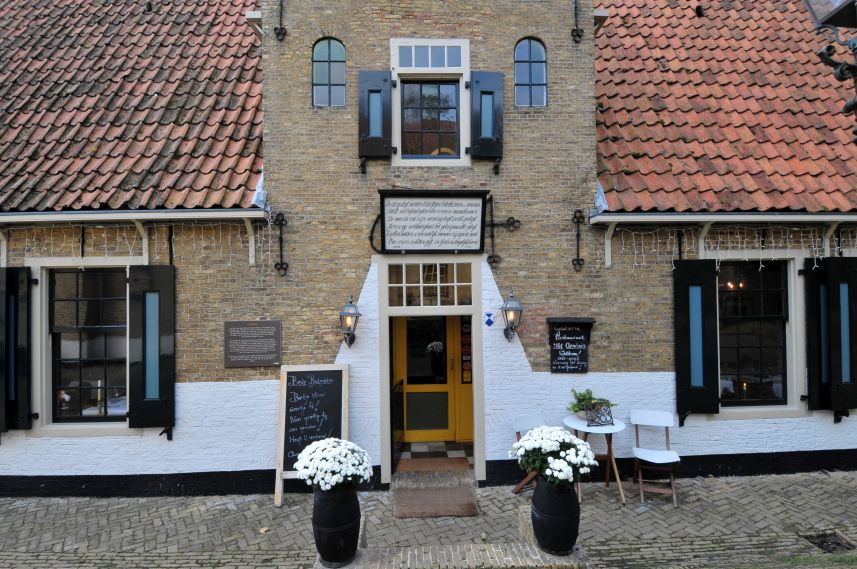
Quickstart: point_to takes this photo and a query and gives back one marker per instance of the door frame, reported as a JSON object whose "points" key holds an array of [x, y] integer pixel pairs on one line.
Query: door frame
{"points": [[474, 311]]}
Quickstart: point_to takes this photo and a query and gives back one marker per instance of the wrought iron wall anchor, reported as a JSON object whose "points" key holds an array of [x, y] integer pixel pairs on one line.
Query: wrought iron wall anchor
{"points": [[577, 219], [496, 166], [511, 224], [362, 165], [280, 31], [282, 267], [577, 31]]}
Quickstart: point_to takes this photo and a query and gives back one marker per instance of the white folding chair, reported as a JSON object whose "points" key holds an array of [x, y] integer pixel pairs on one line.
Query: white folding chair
{"points": [[522, 424], [663, 460]]}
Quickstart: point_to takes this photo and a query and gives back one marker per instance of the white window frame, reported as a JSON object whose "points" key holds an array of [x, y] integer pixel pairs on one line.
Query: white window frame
{"points": [[795, 339], [41, 369], [462, 74]]}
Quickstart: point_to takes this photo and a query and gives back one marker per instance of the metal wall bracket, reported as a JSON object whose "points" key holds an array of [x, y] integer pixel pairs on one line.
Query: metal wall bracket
{"points": [[577, 31], [578, 219], [496, 166], [511, 224], [363, 165], [167, 431], [282, 267], [280, 31]]}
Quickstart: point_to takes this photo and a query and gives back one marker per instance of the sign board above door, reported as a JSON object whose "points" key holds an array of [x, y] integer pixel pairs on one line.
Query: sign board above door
{"points": [[439, 221]]}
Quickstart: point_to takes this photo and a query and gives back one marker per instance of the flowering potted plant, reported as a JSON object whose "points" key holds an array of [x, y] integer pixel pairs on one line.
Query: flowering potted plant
{"points": [[560, 459], [333, 467]]}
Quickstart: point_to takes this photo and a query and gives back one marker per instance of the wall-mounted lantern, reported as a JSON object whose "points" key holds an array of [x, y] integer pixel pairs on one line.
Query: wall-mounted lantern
{"points": [[348, 321], [512, 311]]}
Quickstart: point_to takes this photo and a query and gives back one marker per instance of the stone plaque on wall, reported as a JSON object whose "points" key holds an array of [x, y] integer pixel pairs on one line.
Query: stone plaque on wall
{"points": [[253, 343], [440, 221]]}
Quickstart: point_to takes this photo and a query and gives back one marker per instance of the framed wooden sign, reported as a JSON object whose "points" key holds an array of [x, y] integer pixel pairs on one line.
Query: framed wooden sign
{"points": [[437, 221], [313, 406]]}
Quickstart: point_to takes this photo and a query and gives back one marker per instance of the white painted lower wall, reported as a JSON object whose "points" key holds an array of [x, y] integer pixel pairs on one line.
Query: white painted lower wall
{"points": [[231, 426]]}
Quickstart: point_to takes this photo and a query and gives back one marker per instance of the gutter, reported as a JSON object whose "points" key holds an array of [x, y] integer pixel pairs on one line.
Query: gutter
{"points": [[126, 216], [607, 218]]}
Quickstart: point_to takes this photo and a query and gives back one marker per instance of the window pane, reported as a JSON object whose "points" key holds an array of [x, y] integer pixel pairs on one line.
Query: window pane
{"points": [[115, 344], [412, 95], [113, 312], [437, 56], [92, 346], [117, 402], [394, 274], [396, 297], [772, 360], [430, 95], [427, 410], [448, 119], [113, 284], [92, 403], [448, 96], [539, 96], [337, 73], [446, 273], [320, 96], [448, 145], [92, 374], [375, 114], [69, 345], [537, 51], [115, 374], [748, 333], [429, 273], [88, 313], [538, 72], [748, 360], [68, 402], [65, 313], [728, 386], [412, 143], [69, 374], [728, 304], [337, 51], [771, 333], [465, 296], [462, 273], [728, 360], [321, 51], [431, 143], [522, 73], [772, 303], [447, 296], [337, 96], [429, 119], [522, 50], [453, 56], [751, 303], [430, 295], [412, 274], [412, 296], [522, 96], [405, 56], [487, 122], [321, 73], [65, 285], [421, 56]]}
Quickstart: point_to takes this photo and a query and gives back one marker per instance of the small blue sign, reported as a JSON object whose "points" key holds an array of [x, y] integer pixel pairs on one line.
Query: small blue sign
{"points": [[488, 321]]}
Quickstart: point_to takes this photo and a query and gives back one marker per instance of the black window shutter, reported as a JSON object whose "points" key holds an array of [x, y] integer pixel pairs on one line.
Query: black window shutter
{"points": [[696, 338], [375, 114], [486, 125], [841, 277], [152, 341], [15, 412], [817, 302]]}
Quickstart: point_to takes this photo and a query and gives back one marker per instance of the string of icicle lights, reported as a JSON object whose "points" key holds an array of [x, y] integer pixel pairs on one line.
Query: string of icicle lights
{"points": [[666, 245]]}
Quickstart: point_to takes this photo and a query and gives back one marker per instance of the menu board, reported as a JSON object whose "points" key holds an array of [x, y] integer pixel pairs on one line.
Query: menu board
{"points": [[569, 344], [313, 406], [434, 221]]}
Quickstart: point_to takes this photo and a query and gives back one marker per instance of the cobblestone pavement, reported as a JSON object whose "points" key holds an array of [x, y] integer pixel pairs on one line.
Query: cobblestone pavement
{"points": [[741, 522]]}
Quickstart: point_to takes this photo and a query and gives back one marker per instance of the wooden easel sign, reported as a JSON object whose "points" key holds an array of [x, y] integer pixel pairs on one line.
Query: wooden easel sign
{"points": [[313, 406]]}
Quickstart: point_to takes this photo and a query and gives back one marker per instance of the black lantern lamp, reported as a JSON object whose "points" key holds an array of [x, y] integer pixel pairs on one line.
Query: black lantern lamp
{"points": [[832, 15], [512, 311], [348, 321]]}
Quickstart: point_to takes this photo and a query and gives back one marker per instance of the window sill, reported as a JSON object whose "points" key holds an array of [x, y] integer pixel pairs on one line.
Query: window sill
{"points": [[760, 412], [431, 163], [118, 429]]}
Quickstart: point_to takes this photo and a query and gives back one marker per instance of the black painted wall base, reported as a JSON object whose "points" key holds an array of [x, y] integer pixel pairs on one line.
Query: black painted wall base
{"points": [[138, 485], [505, 472], [499, 472]]}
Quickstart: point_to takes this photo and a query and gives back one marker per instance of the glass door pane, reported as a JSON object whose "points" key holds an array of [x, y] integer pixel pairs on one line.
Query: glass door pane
{"points": [[426, 351]]}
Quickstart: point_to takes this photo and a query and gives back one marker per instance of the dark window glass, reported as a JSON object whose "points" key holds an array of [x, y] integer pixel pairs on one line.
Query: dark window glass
{"points": [[531, 74], [430, 120], [88, 333], [328, 73], [752, 303]]}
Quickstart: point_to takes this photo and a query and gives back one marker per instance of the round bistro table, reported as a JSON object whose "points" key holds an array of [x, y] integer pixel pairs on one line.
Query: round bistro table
{"points": [[579, 425]]}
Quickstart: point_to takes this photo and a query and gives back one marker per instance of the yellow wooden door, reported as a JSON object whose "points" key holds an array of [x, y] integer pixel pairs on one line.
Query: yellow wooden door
{"points": [[425, 349], [463, 376]]}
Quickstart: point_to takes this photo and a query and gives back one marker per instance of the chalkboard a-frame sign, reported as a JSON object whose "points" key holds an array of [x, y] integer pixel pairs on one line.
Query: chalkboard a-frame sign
{"points": [[313, 406], [569, 344]]}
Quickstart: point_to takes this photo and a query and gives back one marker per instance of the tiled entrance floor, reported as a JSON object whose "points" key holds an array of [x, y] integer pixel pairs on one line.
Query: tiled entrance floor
{"points": [[441, 449]]}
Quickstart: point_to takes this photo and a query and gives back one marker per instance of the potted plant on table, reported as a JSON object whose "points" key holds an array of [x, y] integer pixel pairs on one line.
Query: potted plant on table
{"points": [[334, 467], [560, 459], [595, 410]]}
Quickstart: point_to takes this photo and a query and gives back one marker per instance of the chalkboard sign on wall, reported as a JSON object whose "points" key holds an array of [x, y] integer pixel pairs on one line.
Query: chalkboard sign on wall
{"points": [[569, 343], [313, 406]]}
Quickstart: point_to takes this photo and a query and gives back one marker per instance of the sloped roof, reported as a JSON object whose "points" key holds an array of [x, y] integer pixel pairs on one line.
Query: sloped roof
{"points": [[731, 111], [128, 104]]}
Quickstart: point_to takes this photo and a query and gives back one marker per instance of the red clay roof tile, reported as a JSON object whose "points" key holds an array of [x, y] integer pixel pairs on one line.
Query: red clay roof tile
{"points": [[732, 111], [110, 105]]}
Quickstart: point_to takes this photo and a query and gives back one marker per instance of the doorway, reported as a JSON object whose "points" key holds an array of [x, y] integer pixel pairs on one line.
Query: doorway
{"points": [[432, 364]]}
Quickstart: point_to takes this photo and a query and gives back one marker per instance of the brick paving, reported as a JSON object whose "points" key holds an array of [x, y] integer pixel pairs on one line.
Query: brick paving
{"points": [[741, 522]]}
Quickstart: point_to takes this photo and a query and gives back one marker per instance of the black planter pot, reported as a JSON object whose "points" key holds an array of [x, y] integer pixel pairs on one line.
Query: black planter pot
{"points": [[336, 524], [556, 517]]}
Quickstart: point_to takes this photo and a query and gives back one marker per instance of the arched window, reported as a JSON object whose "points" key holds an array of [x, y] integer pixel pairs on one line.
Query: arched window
{"points": [[531, 74], [328, 73]]}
